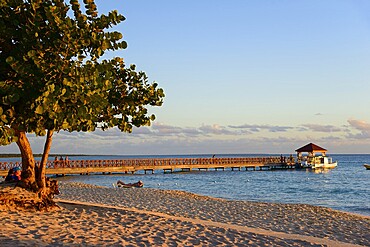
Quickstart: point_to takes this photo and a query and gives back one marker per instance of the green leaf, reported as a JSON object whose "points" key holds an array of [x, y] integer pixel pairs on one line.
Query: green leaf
{"points": [[123, 45], [9, 60], [105, 45], [67, 82], [65, 124], [81, 57], [51, 88], [39, 110], [10, 113], [31, 53], [14, 98]]}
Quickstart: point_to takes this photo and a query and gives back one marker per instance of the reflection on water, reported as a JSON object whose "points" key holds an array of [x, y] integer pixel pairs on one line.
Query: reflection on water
{"points": [[320, 170]]}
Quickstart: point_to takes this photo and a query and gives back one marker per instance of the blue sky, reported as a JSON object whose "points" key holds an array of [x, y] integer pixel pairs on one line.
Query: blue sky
{"points": [[243, 77]]}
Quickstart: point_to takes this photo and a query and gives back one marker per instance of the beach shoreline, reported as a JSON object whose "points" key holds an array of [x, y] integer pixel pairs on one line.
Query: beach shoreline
{"points": [[92, 215]]}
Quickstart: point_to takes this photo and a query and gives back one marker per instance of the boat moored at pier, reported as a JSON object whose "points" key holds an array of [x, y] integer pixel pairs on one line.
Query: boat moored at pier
{"points": [[320, 162], [311, 160]]}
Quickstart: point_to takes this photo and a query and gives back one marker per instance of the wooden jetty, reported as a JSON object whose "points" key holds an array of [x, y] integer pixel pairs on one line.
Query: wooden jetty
{"points": [[166, 165]]}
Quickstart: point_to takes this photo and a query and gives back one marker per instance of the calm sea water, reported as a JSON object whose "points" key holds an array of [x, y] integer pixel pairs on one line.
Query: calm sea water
{"points": [[345, 188]]}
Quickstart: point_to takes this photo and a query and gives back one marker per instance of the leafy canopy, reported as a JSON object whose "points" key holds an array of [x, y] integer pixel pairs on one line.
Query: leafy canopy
{"points": [[52, 76]]}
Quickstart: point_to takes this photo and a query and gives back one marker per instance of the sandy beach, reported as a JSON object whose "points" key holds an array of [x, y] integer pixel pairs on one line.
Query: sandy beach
{"points": [[99, 216]]}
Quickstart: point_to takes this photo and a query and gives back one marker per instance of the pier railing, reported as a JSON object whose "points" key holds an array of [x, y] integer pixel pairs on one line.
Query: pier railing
{"points": [[132, 165]]}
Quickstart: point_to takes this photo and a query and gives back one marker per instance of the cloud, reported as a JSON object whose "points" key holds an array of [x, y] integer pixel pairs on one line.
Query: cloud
{"points": [[159, 129], [361, 126], [216, 129], [322, 128], [142, 131], [258, 128], [163, 138], [331, 138]]}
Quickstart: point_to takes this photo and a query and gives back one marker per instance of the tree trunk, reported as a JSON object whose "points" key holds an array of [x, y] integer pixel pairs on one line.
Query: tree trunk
{"points": [[41, 169], [28, 161], [33, 176]]}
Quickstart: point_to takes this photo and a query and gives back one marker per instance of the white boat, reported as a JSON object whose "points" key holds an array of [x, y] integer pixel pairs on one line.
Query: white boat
{"points": [[322, 162], [311, 160]]}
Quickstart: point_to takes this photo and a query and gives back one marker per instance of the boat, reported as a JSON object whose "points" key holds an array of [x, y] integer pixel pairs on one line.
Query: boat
{"points": [[319, 162], [323, 162], [367, 166], [313, 161], [138, 184]]}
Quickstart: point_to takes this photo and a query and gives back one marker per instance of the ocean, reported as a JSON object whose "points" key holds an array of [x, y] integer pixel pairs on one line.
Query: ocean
{"points": [[345, 188]]}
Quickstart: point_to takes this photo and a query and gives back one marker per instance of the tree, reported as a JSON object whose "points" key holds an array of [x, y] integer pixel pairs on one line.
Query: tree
{"points": [[53, 77]]}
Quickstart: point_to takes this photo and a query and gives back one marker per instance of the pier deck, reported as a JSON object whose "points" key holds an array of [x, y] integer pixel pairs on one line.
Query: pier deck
{"points": [[151, 165]]}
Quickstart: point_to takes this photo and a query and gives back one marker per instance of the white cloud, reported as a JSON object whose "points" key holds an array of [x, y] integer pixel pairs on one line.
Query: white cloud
{"points": [[361, 126], [216, 129], [168, 139], [159, 129], [258, 128], [322, 128]]}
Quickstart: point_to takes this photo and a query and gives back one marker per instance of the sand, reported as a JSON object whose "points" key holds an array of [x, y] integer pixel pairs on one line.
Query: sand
{"points": [[99, 216]]}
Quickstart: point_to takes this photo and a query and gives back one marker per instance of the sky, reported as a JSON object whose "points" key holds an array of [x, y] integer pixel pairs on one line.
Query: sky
{"points": [[242, 76]]}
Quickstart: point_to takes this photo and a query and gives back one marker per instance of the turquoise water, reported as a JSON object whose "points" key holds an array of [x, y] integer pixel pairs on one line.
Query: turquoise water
{"points": [[345, 188]]}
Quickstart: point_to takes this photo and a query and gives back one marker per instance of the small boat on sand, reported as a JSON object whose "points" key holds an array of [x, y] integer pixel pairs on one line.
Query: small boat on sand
{"points": [[367, 166], [138, 184]]}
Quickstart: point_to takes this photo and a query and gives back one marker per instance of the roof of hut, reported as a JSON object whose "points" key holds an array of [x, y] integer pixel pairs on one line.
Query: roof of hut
{"points": [[311, 148]]}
